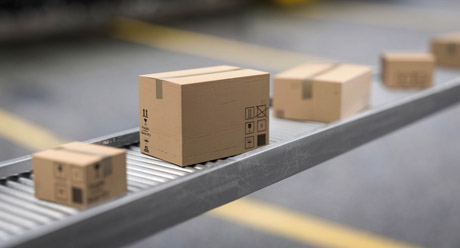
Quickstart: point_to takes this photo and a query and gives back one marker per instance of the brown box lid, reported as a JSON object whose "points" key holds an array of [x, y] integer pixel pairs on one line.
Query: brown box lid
{"points": [[408, 56], [202, 75], [330, 72]]}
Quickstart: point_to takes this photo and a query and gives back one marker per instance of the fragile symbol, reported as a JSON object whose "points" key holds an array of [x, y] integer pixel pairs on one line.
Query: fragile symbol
{"points": [[262, 111], [59, 170], [96, 169], [145, 121], [249, 127], [146, 149]]}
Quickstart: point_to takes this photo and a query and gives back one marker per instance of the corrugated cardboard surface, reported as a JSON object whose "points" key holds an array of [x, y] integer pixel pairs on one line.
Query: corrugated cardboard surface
{"points": [[338, 90], [409, 70], [447, 49], [204, 114], [79, 175]]}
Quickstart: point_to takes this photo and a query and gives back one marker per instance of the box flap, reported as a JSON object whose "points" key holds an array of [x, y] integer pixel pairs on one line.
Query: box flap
{"points": [[343, 73], [403, 56], [91, 148], [304, 71], [64, 156], [204, 74], [450, 37], [324, 72]]}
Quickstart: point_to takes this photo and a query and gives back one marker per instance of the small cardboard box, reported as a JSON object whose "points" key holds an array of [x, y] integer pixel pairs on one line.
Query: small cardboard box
{"points": [[407, 70], [79, 175], [193, 116], [321, 92], [446, 47]]}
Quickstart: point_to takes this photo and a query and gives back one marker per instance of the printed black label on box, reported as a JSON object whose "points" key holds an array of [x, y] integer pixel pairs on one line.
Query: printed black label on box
{"points": [[249, 127], [60, 191], [249, 142], [261, 111], [412, 78], [249, 113], [259, 114], [97, 191], [261, 125], [77, 195], [59, 170], [261, 139], [77, 174]]}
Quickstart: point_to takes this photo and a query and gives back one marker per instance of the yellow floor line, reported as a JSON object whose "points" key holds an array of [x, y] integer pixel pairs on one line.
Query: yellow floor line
{"points": [[208, 46], [382, 15], [25, 133], [292, 3], [300, 227]]}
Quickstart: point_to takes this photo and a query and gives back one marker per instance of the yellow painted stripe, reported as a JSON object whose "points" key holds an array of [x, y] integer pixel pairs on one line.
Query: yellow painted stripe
{"points": [[25, 133], [292, 3], [205, 45], [382, 15], [300, 227]]}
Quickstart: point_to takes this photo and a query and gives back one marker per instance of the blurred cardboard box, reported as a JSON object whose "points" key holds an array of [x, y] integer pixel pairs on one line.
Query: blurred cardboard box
{"points": [[321, 92], [446, 48], [79, 175], [193, 116], [407, 70]]}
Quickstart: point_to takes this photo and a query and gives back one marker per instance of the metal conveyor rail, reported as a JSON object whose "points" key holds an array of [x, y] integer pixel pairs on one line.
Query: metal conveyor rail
{"points": [[161, 194]]}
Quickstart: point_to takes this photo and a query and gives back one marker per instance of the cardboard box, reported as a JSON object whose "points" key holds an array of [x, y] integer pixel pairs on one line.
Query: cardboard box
{"points": [[407, 70], [193, 116], [79, 175], [446, 47], [321, 92]]}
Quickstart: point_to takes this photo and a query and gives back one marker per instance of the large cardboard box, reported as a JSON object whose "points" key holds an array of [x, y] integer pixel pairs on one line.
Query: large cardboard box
{"points": [[446, 47], [79, 175], [321, 92], [407, 70], [193, 116]]}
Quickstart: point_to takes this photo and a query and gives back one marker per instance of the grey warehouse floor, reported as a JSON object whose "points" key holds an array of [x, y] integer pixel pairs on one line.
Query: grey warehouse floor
{"points": [[401, 187]]}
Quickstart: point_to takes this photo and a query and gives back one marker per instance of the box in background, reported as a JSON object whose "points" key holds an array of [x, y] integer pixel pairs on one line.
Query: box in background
{"points": [[79, 175], [407, 70], [321, 92], [446, 48], [198, 115]]}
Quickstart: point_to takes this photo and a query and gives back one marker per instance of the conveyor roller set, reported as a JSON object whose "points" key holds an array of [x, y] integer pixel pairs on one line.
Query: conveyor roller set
{"points": [[162, 194]]}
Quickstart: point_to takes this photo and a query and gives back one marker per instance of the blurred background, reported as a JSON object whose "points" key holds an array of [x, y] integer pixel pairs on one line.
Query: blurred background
{"points": [[68, 71]]}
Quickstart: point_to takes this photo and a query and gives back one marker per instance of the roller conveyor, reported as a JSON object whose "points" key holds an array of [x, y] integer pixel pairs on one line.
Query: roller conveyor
{"points": [[161, 194]]}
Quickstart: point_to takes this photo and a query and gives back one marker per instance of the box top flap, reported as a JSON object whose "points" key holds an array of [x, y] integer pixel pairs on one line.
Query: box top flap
{"points": [[92, 148], [304, 71], [343, 73], [402, 56], [69, 157], [325, 72], [200, 75], [79, 153], [450, 37]]}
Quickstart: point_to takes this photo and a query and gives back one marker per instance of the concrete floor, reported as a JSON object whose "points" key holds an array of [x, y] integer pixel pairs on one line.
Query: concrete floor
{"points": [[403, 186]]}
